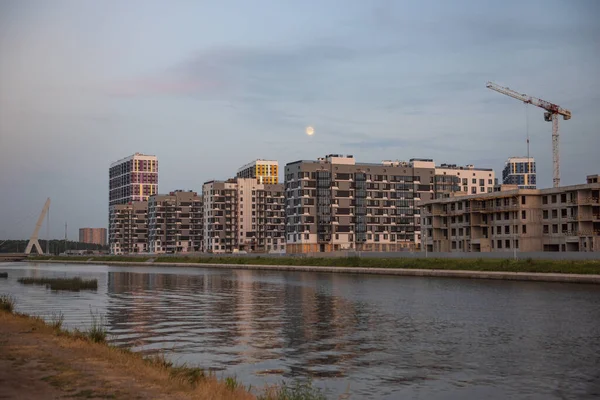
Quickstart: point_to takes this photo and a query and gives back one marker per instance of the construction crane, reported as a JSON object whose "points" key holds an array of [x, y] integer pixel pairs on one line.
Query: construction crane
{"points": [[551, 115], [33, 240]]}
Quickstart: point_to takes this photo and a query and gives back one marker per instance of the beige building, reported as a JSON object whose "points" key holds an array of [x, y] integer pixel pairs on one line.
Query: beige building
{"points": [[334, 204], [467, 179], [175, 223], [523, 220], [128, 232], [93, 236], [241, 214], [264, 171], [261, 216]]}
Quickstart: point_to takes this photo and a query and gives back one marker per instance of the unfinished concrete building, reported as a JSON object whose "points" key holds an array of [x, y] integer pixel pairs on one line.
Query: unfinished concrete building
{"points": [[516, 220]]}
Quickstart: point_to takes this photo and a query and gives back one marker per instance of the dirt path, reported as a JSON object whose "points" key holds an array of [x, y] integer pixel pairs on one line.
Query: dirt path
{"points": [[35, 363]]}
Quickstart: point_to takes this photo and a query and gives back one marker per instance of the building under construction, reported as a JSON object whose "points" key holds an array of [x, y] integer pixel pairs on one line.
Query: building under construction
{"points": [[516, 220]]}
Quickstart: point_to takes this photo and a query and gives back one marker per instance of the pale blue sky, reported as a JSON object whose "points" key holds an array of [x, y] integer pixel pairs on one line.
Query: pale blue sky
{"points": [[209, 86]]}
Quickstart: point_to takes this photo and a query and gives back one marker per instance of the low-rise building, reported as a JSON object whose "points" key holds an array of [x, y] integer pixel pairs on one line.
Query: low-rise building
{"points": [[175, 222], [93, 236], [129, 228], [524, 220]]}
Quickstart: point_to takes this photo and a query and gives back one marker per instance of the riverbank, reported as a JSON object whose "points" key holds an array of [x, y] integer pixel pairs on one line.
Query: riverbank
{"points": [[524, 270], [38, 361]]}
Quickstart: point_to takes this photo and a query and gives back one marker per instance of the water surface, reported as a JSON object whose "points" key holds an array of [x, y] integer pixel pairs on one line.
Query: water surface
{"points": [[376, 337]]}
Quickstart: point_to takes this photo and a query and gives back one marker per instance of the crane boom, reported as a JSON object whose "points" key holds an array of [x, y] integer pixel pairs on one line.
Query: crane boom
{"points": [[551, 115], [546, 105]]}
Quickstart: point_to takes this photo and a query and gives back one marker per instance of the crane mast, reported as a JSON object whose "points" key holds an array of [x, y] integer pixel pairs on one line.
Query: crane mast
{"points": [[551, 115]]}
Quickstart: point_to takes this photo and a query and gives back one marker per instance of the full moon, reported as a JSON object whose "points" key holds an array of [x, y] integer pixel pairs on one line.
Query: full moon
{"points": [[310, 130]]}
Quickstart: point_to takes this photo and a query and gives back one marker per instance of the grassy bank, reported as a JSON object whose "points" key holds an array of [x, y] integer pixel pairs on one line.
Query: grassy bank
{"points": [[71, 284], [501, 265], [81, 364]]}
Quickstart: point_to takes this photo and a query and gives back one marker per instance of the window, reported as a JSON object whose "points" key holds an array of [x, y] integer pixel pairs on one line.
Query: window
{"points": [[473, 190], [482, 189], [506, 215], [499, 244], [507, 243], [554, 228], [554, 213], [524, 228], [546, 229], [507, 229], [474, 181], [553, 198], [490, 182], [545, 214], [545, 200], [516, 244], [523, 201], [563, 198], [523, 214]]}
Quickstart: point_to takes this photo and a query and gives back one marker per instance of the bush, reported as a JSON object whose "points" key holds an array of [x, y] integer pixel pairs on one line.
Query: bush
{"points": [[7, 303], [97, 331], [56, 320]]}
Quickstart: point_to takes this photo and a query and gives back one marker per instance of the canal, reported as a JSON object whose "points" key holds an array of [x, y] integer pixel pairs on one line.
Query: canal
{"points": [[374, 337]]}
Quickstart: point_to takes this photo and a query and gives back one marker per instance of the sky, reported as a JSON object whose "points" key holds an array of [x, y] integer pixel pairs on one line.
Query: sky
{"points": [[209, 86]]}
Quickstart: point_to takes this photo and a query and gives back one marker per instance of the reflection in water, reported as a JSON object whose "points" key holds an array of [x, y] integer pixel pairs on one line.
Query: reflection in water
{"points": [[379, 337]]}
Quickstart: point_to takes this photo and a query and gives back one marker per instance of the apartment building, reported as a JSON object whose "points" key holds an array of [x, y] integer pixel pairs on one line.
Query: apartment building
{"points": [[264, 171], [93, 236], [241, 214], [520, 171], [516, 220], [261, 216], [220, 216], [334, 204], [450, 178], [128, 233], [175, 222], [133, 178]]}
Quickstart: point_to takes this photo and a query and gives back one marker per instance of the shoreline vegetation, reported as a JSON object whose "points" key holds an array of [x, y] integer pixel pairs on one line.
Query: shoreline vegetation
{"points": [[71, 284], [82, 364], [586, 267]]}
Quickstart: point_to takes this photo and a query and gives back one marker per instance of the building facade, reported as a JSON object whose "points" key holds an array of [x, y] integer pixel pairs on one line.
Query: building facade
{"points": [[175, 223], [334, 204], [264, 171], [451, 178], [133, 178], [93, 236], [516, 220], [241, 214], [261, 216], [520, 171], [220, 216], [128, 233]]}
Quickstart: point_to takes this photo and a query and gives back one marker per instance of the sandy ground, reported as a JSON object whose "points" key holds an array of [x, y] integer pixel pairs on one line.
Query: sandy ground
{"points": [[35, 363]]}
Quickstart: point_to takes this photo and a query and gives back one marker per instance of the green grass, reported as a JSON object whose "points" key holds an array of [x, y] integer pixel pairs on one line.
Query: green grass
{"points": [[7, 303], [71, 284], [3, 274], [481, 264]]}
